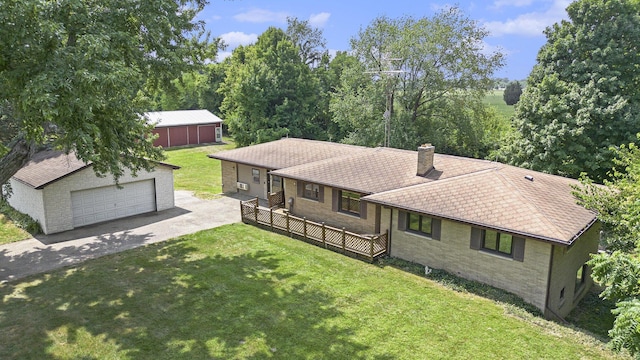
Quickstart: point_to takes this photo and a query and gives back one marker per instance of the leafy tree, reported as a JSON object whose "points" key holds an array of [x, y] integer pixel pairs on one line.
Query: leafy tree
{"points": [[193, 90], [310, 41], [618, 269], [512, 93], [416, 73], [583, 95], [269, 92], [72, 71]]}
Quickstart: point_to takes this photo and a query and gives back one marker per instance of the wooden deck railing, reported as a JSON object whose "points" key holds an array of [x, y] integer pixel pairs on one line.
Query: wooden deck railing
{"points": [[369, 246], [276, 199]]}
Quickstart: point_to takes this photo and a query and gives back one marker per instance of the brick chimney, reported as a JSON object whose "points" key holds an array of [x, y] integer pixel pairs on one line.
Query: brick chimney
{"points": [[425, 158]]}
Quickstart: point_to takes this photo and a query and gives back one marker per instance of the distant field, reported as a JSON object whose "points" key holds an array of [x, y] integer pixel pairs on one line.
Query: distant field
{"points": [[494, 98]]}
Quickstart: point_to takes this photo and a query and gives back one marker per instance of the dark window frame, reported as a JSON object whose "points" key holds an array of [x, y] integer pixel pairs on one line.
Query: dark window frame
{"points": [[256, 180], [498, 238], [352, 198], [313, 194], [420, 222]]}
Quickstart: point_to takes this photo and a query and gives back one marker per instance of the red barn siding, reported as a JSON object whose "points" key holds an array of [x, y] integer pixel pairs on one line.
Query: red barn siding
{"points": [[185, 135], [178, 136], [193, 134], [207, 133], [163, 139]]}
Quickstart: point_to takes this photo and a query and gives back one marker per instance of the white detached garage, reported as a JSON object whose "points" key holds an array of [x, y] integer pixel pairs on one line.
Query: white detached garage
{"points": [[61, 192]]}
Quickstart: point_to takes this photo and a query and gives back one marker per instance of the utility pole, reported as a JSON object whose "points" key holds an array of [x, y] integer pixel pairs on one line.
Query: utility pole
{"points": [[389, 98]]}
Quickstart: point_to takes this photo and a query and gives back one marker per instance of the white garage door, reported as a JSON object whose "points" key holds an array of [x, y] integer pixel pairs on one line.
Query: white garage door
{"points": [[106, 203]]}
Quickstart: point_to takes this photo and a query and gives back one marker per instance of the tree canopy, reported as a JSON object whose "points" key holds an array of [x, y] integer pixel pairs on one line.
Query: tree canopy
{"points": [[512, 93], [418, 77], [72, 71], [583, 95], [269, 92], [618, 269]]}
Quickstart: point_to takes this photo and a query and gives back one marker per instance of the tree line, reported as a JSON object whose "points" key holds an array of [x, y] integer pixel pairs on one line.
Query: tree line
{"points": [[76, 75]]}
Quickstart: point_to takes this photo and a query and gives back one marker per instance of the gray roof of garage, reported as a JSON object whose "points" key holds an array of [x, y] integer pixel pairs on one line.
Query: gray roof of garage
{"points": [[49, 166], [182, 118]]}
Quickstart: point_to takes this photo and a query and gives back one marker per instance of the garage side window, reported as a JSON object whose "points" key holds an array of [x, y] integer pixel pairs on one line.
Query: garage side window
{"points": [[256, 175]]}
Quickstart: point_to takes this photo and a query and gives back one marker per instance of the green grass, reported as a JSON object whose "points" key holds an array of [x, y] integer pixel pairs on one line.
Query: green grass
{"points": [[238, 292], [594, 314], [15, 226], [9, 232], [494, 98], [198, 173]]}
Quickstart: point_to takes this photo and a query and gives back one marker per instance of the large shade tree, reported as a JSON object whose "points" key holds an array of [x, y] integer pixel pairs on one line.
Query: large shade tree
{"points": [[618, 268], [583, 95], [417, 77], [72, 71], [269, 92]]}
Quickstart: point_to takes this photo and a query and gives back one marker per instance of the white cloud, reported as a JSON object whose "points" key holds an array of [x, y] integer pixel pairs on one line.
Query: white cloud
{"points": [[488, 49], [261, 16], [223, 55], [530, 24], [236, 38], [318, 20]]}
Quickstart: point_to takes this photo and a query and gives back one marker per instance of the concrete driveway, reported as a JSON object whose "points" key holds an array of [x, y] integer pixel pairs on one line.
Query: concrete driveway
{"points": [[48, 252]]}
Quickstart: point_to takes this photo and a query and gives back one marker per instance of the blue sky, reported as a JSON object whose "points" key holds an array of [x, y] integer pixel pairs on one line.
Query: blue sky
{"points": [[516, 26]]}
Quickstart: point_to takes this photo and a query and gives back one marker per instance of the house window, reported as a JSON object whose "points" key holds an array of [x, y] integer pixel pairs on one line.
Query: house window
{"points": [[581, 277], [256, 175], [311, 191], [497, 242], [419, 223], [350, 202]]}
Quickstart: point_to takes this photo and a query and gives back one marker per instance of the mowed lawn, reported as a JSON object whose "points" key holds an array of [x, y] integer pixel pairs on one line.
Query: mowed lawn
{"points": [[198, 173], [9, 232], [238, 292], [495, 99]]}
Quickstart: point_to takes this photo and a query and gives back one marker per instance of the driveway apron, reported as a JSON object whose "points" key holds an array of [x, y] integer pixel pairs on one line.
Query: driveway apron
{"points": [[49, 252]]}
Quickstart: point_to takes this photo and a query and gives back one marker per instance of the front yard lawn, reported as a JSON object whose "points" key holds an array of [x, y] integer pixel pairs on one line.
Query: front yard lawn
{"points": [[9, 232], [198, 173], [238, 292]]}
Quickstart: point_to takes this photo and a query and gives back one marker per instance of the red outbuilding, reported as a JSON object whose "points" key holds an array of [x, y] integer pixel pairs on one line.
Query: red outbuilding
{"points": [[185, 127]]}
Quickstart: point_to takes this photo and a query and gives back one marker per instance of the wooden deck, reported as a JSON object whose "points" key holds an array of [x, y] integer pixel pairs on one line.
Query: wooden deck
{"points": [[368, 246]]}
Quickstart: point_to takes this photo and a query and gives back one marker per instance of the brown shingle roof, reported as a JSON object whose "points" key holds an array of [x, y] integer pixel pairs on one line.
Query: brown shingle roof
{"points": [[49, 166], [46, 167], [286, 152], [379, 169], [479, 192], [501, 198]]}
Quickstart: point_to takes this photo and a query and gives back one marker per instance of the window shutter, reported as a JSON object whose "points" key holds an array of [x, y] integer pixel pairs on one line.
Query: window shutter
{"points": [[402, 220], [335, 199], [476, 238], [320, 193], [363, 209], [435, 229], [300, 188], [518, 248]]}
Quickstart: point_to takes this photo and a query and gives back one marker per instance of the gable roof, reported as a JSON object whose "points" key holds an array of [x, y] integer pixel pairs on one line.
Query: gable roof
{"points": [[287, 152], [49, 166], [182, 117], [502, 198]]}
